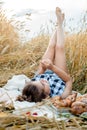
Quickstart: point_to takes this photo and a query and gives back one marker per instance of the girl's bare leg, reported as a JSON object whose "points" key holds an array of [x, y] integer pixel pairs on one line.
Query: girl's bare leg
{"points": [[50, 52], [60, 59]]}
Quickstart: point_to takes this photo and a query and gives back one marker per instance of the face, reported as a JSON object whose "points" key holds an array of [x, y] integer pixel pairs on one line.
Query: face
{"points": [[42, 85]]}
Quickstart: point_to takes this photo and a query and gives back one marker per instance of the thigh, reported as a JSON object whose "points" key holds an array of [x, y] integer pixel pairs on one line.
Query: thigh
{"points": [[50, 52], [60, 58]]}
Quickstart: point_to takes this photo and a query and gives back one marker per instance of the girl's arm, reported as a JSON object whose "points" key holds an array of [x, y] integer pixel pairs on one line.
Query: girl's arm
{"points": [[41, 69], [47, 64], [68, 89], [62, 74], [66, 77]]}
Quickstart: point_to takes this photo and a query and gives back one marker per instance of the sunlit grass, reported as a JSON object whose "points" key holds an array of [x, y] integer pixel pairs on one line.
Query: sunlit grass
{"points": [[76, 46], [8, 36], [24, 59]]}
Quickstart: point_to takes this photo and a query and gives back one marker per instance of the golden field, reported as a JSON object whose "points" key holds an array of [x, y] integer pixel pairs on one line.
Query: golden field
{"points": [[16, 58]]}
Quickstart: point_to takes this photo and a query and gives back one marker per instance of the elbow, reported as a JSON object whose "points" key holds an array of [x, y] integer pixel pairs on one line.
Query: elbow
{"points": [[69, 84], [69, 79]]}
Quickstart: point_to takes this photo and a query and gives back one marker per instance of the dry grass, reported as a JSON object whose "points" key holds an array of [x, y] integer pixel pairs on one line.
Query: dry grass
{"points": [[76, 46], [8, 36], [41, 123], [15, 59], [23, 119]]}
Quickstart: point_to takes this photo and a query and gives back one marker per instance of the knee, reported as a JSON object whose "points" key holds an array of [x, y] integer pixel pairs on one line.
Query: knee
{"points": [[59, 47]]}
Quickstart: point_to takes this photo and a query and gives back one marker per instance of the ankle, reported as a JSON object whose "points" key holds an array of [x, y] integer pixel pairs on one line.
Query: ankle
{"points": [[59, 25]]}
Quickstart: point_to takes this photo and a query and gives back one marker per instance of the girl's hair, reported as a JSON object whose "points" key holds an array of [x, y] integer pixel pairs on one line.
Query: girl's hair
{"points": [[31, 93]]}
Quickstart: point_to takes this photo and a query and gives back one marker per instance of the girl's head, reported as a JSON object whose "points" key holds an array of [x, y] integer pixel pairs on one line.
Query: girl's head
{"points": [[35, 91]]}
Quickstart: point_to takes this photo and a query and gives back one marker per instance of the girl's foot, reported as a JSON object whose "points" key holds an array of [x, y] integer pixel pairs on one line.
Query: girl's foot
{"points": [[60, 16]]}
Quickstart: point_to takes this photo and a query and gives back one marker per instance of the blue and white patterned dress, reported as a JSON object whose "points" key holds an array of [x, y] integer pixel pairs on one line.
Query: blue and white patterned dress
{"points": [[57, 85]]}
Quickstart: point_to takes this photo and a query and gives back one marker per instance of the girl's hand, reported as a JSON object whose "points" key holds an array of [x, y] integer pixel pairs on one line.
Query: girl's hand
{"points": [[42, 66], [47, 64]]}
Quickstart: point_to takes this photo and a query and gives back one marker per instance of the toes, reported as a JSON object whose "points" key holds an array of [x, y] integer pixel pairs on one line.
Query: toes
{"points": [[63, 15], [58, 9], [60, 15]]}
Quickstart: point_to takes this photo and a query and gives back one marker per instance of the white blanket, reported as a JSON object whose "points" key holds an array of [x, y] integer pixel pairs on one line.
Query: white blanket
{"points": [[13, 88]]}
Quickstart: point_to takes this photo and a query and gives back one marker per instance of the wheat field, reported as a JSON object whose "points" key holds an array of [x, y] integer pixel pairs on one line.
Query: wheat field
{"points": [[16, 58]]}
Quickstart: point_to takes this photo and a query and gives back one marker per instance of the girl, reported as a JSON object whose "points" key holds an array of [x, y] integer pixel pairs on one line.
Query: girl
{"points": [[52, 78]]}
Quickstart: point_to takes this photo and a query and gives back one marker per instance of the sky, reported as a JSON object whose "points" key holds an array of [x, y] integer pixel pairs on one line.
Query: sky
{"points": [[47, 4], [72, 9]]}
